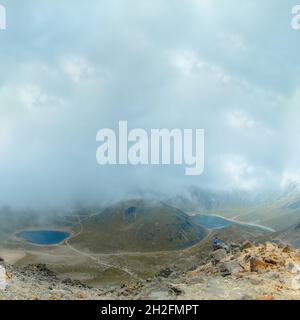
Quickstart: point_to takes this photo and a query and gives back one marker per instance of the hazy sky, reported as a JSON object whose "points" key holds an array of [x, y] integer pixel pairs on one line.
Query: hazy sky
{"points": [[69, 68]]}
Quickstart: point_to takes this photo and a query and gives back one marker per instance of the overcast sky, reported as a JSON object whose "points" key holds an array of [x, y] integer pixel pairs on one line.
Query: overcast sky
{"points": [[69, 68]]}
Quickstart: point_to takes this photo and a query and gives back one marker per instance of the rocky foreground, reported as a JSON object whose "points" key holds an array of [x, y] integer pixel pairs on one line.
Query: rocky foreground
{"points": [[254, 272]]}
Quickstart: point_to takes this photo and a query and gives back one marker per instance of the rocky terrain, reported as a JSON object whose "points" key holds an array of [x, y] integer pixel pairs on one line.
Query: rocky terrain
{"points": [[37, 282], [267, 271], [264, 271]]}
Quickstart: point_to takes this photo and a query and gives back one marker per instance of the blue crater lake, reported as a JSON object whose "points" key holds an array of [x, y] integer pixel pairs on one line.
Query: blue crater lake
{"points": [[216, 222], [211, 221], [44, 237]]}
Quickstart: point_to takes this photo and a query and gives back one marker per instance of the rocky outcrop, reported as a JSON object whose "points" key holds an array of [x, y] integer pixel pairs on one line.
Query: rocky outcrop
{"points": [[246, 245], [256, 264], [228, 268], [218, 256], [264, 272], [37, 282]]}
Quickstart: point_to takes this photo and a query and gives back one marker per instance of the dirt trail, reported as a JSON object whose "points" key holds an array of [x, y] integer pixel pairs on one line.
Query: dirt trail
{"points": [[95, 257]]}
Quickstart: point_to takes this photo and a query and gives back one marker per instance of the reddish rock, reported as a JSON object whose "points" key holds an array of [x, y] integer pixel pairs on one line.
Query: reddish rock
{"points": [[286, 249], [256, 264], [246, 245]]}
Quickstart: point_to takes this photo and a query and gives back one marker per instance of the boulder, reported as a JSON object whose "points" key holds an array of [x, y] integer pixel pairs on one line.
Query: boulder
{"points": [[286, 249], [269, 246], [164, 273], [226, 248], [234, 245], [274, 261], [176, 291], [247, 245], [234, 248], [290, 266], [217, 256], [293, 268], [225, 268], [228, 268], [256, 264]]}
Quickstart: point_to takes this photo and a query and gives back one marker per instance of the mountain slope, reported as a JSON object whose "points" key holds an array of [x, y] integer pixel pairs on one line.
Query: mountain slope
{"points": [[290, 235], [279, 213], [139, 225]]}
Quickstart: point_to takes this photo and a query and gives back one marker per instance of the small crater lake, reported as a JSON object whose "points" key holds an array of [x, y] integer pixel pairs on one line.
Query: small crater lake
{"points": [[214, 222], [43, 237]]}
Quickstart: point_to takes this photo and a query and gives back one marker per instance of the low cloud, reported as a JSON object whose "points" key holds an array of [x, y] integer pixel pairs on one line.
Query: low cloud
{"points": [[77, 68], [68, 70]]}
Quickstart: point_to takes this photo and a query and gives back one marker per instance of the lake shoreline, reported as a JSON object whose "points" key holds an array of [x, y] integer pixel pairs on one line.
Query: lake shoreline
{"points": [[55, 236]]}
